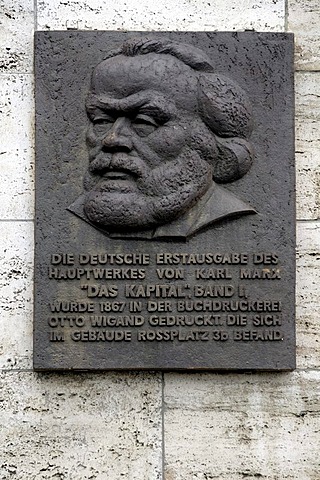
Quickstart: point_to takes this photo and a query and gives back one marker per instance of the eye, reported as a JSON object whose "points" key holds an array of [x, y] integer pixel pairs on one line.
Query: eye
{"points": [[144, 125], [101, 124], [145, 120], [103, 120]]}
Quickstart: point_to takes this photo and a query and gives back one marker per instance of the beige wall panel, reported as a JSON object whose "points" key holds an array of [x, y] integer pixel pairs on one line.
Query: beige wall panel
{"points": [[16, 147], [231, 427], [16, 39], [304, 21], [77, 427], [16, 290], [261, 15], [308, 145], [308, 294]]}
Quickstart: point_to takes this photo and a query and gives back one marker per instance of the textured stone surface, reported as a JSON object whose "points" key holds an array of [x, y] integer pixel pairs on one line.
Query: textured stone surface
{"points": [[16, 274], [261, 15], [59, 184], [242, 426], [16, 150], [307, 145], [307, 51], [78, 427], [16, 42], [304, 21], [308, 295], [308, 183]]}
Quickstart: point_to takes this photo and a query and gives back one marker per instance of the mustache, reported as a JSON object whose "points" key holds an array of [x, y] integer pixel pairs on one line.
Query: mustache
{"points": [[103, 163]]}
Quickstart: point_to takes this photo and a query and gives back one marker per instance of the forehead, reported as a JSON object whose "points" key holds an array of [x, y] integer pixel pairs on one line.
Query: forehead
{"points": [[122, 76]]}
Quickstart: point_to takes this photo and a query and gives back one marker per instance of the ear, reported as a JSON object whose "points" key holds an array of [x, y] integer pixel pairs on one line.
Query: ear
{"points": [[234, 159], [224, 106]]}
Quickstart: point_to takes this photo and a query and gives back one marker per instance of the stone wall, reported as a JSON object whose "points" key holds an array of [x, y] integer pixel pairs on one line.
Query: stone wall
{"points": [[152, 426]]}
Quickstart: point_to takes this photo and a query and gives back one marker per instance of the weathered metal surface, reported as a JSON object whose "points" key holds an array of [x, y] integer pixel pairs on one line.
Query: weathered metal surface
{"points": [[165, 201]]}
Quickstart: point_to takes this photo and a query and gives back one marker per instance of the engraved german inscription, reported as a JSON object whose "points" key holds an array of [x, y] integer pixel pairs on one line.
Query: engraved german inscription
{"points": [[212, 311]]}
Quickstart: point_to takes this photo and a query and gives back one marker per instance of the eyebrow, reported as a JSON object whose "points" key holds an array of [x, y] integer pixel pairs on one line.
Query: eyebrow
{"points": [[148, 101]]}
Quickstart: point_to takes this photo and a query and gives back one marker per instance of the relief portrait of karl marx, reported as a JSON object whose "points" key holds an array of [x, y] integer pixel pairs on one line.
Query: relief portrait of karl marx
{"points": [[165, 131]]}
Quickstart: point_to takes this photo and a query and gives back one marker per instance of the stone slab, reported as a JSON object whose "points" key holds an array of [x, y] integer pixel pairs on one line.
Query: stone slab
{"points": [[306, 51], [304, 21], [80, 427], [259, 15], [16, 289], [16, 28], [308, 297], [242, 426], [259, 247], [307, 88], [308, 184], [16, 151]]}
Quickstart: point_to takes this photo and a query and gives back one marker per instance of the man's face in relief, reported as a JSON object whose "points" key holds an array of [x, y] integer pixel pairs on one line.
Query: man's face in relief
{"points": [[146, 143]]}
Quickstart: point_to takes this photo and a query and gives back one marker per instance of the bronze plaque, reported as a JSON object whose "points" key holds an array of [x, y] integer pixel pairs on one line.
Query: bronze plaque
{"points": [[165, 221]]}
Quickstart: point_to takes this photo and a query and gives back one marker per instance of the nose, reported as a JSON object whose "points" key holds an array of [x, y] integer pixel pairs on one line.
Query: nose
{"points": [[118, 137]]}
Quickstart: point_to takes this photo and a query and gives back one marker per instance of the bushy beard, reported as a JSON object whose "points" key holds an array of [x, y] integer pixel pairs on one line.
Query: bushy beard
{"points": [[157, 196]]}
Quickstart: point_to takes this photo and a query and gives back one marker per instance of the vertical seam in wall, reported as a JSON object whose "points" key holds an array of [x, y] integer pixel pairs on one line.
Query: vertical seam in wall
{"points": [[163, 450], [286, 15], [35, 14]]}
